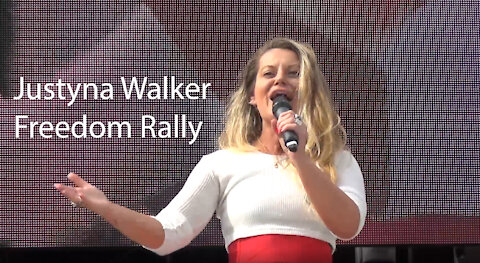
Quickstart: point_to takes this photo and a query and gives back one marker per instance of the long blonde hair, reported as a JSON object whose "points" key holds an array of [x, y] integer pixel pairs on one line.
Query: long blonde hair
{"points": [[326, 135]]}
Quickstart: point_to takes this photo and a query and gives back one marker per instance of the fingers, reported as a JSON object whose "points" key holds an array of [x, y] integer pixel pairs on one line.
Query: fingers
{"points": [[286, 121], [77, 180], [287, 127], [69, 192]]}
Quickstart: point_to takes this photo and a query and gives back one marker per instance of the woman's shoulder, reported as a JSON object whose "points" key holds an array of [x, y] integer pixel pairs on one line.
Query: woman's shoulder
{"points": [[344, 159], [226, 154], [221, 153], [225, 160], [346, 164]]}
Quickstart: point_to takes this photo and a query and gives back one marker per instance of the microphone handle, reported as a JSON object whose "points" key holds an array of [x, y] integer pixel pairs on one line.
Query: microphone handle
{"points": [[282, 104], [291, 140]]}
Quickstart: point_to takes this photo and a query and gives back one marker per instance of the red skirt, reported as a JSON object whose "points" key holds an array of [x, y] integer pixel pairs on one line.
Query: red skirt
{"points": [[279, 248]]}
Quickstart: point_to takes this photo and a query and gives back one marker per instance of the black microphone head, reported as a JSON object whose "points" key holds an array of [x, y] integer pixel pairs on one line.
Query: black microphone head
{"points": [[280, 104]]}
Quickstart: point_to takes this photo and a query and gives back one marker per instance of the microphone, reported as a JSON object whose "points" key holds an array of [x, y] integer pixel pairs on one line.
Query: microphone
{"points": [[281, 104]]}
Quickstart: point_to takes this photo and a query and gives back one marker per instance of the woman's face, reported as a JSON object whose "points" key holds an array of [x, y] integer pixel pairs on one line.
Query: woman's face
{"points": [[278, 73]]}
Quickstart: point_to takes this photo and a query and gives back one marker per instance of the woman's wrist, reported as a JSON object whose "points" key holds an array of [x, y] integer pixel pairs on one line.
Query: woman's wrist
{"points": [[300, 159], [104, 209]]}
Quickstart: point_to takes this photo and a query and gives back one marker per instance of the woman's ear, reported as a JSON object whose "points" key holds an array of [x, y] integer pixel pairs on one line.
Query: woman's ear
{"points": [[252, 101]]}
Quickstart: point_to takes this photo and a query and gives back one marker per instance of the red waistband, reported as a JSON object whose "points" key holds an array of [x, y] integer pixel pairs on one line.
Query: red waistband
{"points": [[279, 248]]}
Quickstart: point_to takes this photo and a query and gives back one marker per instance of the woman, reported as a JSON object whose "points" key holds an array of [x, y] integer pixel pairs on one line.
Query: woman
{"points": [[274, 205]]}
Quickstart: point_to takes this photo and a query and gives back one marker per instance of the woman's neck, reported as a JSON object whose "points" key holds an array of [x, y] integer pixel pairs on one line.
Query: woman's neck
{"points": [[268, 141]]}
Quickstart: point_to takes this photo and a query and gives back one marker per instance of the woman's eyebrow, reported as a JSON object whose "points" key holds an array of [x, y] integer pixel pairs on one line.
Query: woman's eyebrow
{"points": [[288, 66]]}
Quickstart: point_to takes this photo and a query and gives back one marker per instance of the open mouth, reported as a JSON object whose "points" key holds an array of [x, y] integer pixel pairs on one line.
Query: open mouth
{"points": [[277, 93]]}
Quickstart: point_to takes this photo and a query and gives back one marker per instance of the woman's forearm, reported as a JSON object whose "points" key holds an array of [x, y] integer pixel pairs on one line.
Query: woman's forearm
{"points": [[339, 213], [143, 229]]}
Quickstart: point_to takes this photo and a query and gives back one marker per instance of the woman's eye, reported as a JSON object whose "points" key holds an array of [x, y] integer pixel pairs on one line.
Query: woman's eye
{"points": [[295, 74], [268, 74]]}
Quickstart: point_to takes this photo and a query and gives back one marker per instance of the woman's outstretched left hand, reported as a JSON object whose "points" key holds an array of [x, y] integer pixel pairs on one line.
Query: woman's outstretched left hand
{"points": [[83, 194]]}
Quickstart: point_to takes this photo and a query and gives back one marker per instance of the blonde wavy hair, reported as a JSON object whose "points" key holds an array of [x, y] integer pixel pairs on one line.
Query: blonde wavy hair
{"points": [[326, 135]]}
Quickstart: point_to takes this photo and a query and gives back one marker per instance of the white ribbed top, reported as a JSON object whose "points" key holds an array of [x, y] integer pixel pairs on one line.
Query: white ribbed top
{"points": [[251, 196]]}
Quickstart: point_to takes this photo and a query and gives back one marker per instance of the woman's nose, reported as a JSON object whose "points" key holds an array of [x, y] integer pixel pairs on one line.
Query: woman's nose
{"points": [[280, 78]]}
